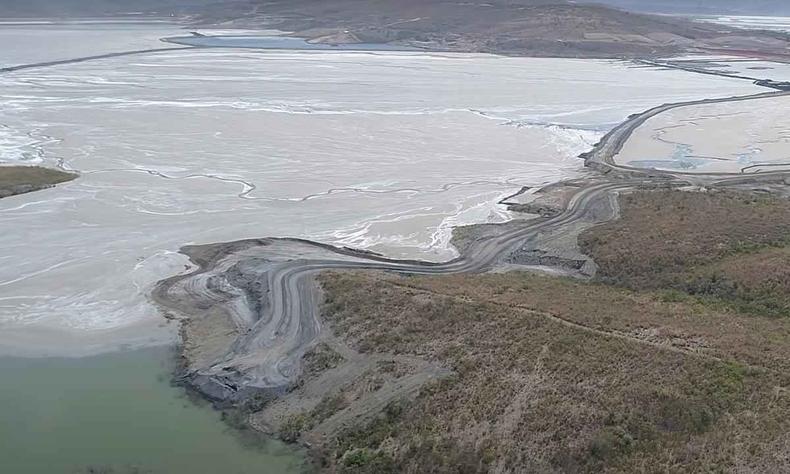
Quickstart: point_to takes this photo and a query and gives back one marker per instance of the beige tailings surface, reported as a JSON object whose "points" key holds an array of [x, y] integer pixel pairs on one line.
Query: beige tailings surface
{"points": [[378, 150], [732, 137]]}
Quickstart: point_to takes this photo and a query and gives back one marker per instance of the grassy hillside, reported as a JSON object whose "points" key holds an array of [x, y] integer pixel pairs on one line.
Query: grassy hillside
{"points": [[623, 374], [83, 8], [707, 7], [723, 248]]}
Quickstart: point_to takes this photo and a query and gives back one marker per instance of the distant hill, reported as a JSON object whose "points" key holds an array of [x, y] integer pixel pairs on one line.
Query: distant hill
{"points": [[78, 8], [554, 28], [75, 8], [707, 7]]}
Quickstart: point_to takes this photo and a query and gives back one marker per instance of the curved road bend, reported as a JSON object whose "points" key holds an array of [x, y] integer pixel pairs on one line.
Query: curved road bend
{"points": [[276, 332], [612, 143], [267, 355], [268, 352]]}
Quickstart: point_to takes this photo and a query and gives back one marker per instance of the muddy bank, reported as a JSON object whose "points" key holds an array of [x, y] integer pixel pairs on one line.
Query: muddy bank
{"points": [[251, 319], [255, 320], [25, 179], [450, 370]]}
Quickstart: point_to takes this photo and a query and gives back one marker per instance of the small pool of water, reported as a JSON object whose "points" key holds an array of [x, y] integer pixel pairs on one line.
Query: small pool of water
{"points": [[119, 414], [277, 42]]}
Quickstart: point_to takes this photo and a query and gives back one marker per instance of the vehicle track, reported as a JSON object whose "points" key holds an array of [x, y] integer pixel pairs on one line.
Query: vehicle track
{"points": [[266, 355], [83, 59], [276, 326], [603, 154]]}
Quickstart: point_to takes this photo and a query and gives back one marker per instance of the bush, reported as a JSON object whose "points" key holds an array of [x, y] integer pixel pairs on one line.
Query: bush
{"points": [[678, 415], [360, 460], [610, 442], [292, 428]]}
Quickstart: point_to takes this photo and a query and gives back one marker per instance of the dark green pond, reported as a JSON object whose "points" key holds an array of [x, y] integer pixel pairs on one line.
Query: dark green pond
{"points": [[119, 414]]}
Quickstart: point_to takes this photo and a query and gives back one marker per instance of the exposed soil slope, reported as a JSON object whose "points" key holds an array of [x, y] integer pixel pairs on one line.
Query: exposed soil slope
{"points": [[559, 375]]}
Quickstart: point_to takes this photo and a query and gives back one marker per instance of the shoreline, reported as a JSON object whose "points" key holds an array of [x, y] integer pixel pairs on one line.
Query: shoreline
{"points": [[179, 296], [256, 344], [23, 179], [16, 179], [114, 412], [527, 208], [275, 278]]}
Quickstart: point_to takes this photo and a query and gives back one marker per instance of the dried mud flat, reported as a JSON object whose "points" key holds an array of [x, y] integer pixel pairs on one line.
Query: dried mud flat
{"points": [[743, 137]]}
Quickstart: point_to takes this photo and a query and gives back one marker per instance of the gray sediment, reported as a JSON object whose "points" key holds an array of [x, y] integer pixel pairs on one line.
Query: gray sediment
{"points": [[250, 311]]}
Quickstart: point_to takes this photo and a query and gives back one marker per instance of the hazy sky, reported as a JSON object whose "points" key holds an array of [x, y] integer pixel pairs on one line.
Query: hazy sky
{"points": [[755, 7], [16, 8]]}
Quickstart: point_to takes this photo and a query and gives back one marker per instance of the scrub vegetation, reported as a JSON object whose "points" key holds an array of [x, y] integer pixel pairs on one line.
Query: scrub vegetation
{"points": [[721, 248], [639, 371]]}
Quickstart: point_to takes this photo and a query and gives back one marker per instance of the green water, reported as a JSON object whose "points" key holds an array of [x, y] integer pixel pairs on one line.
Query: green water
{"points": [[119, 414]]}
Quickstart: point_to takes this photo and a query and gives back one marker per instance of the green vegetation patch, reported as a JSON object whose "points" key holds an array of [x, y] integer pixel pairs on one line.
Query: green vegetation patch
{"points": [[724, 248], [658, 365], [321, 358], [536, 394]]}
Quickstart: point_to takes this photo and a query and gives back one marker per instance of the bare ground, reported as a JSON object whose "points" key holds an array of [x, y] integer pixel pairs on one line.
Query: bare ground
{"points": [[613, 384], [548, 374]]}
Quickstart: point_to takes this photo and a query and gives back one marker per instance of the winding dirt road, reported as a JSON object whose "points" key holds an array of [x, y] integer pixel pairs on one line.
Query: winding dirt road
{"points": [[257, 304], [612, 144], [266, 286], [278, 325]]}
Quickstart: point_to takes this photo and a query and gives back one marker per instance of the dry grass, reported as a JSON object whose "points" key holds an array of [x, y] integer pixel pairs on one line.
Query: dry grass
{"points": [[656, 317], [536, 390], [725, 247], [321, 358], [661, 366]]}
